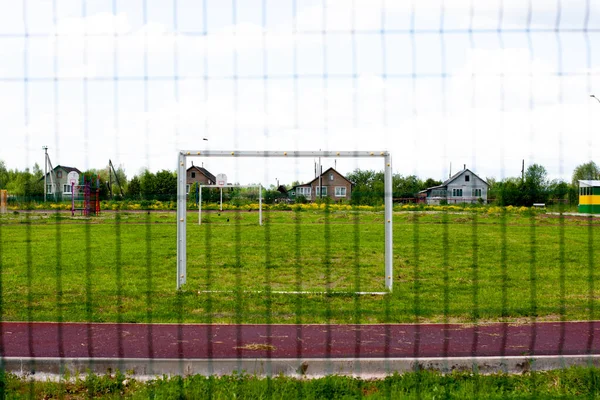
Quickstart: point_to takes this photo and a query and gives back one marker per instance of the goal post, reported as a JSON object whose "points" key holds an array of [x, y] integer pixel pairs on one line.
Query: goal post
{"points": [[200, 187], [182, 196]]}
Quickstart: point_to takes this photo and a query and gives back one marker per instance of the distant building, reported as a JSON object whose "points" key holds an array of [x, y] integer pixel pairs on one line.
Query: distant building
{"points": [[333, 185], [199, 175], [589, 197], [58, 184], [463, 187]]}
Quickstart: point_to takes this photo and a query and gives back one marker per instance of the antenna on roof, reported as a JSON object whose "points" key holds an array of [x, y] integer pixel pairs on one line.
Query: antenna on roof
{"points": [[450, 173]]}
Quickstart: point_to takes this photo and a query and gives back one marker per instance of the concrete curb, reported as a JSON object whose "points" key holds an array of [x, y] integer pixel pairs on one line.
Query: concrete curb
{"points": [[51, 368]]}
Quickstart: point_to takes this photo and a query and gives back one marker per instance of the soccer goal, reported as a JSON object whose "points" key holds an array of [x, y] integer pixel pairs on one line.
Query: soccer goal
{"points": [[220, 187], [182, 197]]}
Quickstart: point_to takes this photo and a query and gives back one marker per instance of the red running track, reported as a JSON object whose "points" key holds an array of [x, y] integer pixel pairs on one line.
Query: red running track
{"points": [[296, 341]]}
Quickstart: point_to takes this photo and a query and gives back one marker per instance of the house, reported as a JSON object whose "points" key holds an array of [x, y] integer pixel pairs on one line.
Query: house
{"points": [[589, 197], [199, 175], [61, 177], [333, 185], [463, 187]]}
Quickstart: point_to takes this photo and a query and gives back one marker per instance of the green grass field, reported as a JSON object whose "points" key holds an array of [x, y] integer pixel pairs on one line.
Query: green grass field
{"points": [[459, 267], [561, 384]]}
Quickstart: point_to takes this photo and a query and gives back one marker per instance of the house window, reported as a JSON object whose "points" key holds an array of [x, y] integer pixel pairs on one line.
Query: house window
{"points": [[66, 188], [187, 189], [467, 178], [457, 193], [340, 191], [48, 188], [322, 192], [476, 193], [304, 191], [59, 174], [193, 174], [330, 177]]}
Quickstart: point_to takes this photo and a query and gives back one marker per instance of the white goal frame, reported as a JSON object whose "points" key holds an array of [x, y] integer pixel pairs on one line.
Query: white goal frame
{"points": [[229, 187], [182, 197]]}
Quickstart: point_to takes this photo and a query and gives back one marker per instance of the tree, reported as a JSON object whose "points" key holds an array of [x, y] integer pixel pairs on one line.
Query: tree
{"points": [[509, 192], [587, 171], [147, 185], [134, 188], [535, 185], [406, 187], [166, 185], [430, 182], [3, 175], [96, 182]]}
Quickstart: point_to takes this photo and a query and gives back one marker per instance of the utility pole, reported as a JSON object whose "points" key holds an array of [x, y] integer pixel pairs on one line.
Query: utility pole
{"points": [[320, 176], [45, 148]]}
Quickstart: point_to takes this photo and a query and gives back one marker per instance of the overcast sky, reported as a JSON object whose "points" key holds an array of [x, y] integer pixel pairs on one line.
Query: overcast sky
{"points": [[135, 81]]}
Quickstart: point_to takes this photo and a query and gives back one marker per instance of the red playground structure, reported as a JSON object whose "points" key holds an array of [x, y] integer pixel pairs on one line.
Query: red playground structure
{"points": [[86, 196]]}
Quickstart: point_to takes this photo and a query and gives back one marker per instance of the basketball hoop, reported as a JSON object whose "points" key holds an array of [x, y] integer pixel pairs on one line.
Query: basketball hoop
{"points": [[221, 180]]}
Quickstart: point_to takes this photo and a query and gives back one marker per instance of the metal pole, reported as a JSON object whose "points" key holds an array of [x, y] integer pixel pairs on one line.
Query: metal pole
{"points": [[181, 221], [72, 199], [260, 205], [199, 205], [221, 190], [45, 171], [320, 172], [389, 268]]}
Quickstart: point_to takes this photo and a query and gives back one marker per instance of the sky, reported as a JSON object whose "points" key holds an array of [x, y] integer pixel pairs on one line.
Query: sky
{"points": [[438, 84]]}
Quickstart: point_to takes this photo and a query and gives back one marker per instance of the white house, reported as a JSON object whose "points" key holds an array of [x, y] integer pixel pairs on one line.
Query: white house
{"points": [[463, 187]]}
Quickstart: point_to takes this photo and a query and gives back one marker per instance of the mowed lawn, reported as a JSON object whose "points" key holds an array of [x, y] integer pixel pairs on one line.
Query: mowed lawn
{"points": [[457, 267]]}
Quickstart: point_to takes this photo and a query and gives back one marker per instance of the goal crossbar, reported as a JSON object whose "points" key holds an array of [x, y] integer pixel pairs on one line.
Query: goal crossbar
{"points": [[182, 197]]}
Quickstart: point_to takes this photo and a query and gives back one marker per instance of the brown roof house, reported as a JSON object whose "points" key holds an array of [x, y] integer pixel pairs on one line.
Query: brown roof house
{"points": [[198, 175], [333, 185]]}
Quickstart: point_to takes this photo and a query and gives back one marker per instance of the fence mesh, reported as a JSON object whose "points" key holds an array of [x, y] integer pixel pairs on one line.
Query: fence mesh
{"points": [[484, 106]]}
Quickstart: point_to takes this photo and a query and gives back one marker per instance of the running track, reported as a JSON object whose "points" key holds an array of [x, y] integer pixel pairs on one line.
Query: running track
{"points": [[81, 341]]}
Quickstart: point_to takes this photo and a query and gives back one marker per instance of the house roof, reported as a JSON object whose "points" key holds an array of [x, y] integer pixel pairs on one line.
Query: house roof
{"points": [[68, 169], [281, 189], [325, 173], [63, 167], [589, 183], [204, 172], [459, 173], [452, 178]]}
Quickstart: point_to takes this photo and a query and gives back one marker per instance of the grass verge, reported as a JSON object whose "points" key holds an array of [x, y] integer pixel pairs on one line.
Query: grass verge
{"points": [[567, 383]]}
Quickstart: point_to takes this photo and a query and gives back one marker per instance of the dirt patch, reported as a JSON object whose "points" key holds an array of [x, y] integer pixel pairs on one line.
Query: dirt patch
{"points": [[257, 347]]}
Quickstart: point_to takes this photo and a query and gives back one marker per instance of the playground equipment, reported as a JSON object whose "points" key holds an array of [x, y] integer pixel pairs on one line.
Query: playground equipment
{"points": [[3, 201], [86, 195]]}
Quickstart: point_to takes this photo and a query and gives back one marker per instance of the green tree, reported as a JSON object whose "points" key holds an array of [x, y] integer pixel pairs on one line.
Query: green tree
{"points": [[147, 185], [535, 185], [587, 171], [166, 185], [134, 188], [406, 187], [3, 175], [430, 182], [509, 192]]}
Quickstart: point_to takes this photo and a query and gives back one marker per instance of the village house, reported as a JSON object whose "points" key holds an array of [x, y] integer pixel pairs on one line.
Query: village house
{"points": [[333, 185], [58, 183], [463, 187], [199, 175]]}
